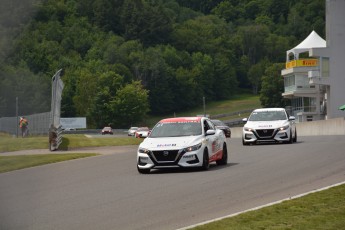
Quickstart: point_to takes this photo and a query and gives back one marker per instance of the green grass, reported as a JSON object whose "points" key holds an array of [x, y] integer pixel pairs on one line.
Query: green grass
{"points": [[238, 103], [79, 141], [10, 163], [321, 210], [9, 143]]}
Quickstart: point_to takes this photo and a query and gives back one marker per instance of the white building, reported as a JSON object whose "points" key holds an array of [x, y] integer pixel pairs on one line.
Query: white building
{"points": [[314, 76]]}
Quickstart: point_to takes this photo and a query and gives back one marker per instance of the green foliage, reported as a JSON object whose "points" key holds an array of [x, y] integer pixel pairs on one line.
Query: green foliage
{"points": [[180, 51], [31, 89], [130, 105], [273, 87]]}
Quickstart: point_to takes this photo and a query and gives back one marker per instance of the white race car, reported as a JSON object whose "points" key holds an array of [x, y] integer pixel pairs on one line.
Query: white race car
{"points": [[269, 125], [182, 142]]}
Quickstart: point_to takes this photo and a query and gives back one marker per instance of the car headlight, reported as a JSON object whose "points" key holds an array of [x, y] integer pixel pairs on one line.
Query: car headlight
{"points": [[248, 129], [143, 150], [285, 127], [193, 148]]}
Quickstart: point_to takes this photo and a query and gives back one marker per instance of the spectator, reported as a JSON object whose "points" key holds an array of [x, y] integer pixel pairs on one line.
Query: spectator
{"points": [[23, 124]]}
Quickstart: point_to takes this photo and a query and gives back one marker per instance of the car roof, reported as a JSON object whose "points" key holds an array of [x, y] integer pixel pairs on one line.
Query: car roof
{"points": [[181, 119], [269, 109]]}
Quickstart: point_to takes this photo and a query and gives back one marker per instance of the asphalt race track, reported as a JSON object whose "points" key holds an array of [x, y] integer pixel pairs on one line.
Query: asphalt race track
{"points": [[107, 192]]}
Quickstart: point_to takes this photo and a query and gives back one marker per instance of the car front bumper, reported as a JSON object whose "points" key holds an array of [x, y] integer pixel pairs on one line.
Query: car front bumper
{"points": [[266, 135], [169, 159]]}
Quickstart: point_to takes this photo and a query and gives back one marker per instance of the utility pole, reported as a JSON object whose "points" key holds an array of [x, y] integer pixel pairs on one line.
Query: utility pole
{"points": [[16, 116], [203, 99]]}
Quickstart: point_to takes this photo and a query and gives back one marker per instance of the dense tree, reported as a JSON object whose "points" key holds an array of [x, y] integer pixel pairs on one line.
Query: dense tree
{"points": [[225, 81], [272, 87], [32, 91], [179, 51], [255, 73], [130, 105], [99, 109]]}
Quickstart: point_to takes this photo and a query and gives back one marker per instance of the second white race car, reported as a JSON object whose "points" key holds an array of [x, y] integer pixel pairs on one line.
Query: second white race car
{"points": [[182, 142], [269, 125]]}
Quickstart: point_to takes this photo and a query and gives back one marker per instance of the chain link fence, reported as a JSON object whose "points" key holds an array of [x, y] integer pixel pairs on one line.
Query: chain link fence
{"points": [[41, 123], [38, 124]]}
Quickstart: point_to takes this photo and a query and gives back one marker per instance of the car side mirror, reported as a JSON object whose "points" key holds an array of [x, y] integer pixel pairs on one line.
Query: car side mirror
{"points": [[244, 120], [292, 118], [210, 132]]}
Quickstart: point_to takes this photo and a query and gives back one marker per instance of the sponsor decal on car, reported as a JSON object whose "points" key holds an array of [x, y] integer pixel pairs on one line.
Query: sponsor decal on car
{"points": [[165, 145]]}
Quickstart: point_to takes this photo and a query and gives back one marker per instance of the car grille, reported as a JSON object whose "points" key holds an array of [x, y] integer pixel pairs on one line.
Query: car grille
{"points": [[165, 156], [265, 133]]}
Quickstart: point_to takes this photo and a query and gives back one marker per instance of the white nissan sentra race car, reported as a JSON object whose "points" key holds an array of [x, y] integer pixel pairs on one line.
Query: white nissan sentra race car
{"points": [[182, 142], [269, 125]]}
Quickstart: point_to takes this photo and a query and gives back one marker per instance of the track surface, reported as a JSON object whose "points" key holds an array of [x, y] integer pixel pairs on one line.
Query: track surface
{"points": [[107, 192]]}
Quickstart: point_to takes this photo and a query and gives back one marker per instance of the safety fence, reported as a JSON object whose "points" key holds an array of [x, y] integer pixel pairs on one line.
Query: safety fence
{"points": [[38, 124], [42, 123]]}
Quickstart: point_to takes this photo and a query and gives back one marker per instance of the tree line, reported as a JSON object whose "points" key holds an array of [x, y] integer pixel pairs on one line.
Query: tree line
{"points": [[124, 59]]}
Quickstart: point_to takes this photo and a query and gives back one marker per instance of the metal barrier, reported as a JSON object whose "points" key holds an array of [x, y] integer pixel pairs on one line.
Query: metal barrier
{"points": [[55, 131]]}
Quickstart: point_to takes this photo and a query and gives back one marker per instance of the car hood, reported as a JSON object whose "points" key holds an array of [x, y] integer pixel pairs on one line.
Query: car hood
{"points": [[167, 143], [266, 124]]}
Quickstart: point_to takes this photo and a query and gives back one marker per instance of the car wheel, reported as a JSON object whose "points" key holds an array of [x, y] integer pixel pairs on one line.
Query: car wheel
{"points": [[205, 161], [295, 138], [143, 171], [243, 142], [290, 141], [224, 159]]}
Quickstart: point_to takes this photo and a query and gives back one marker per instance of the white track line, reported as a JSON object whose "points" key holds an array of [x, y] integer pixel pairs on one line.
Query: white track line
{"points": [[262, 206]]}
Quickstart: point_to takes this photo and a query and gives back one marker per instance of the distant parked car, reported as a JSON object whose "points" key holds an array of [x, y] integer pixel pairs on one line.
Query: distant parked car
{"points": [[142, 132], [107, 130], [221, 125], [131, 131]]}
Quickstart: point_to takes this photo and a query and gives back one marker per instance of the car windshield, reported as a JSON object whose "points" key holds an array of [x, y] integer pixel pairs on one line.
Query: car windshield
{"points": [[267, 116], [176, 129]]}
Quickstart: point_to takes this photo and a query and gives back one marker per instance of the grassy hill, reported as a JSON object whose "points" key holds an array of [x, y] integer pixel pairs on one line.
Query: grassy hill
{"points": [[237, 104]]}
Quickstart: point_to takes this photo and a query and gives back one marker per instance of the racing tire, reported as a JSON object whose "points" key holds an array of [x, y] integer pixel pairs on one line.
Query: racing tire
{"points": [[205, 161], [290, 141], [224, 159], [243, 142], [143, 171], [295, 138]]}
